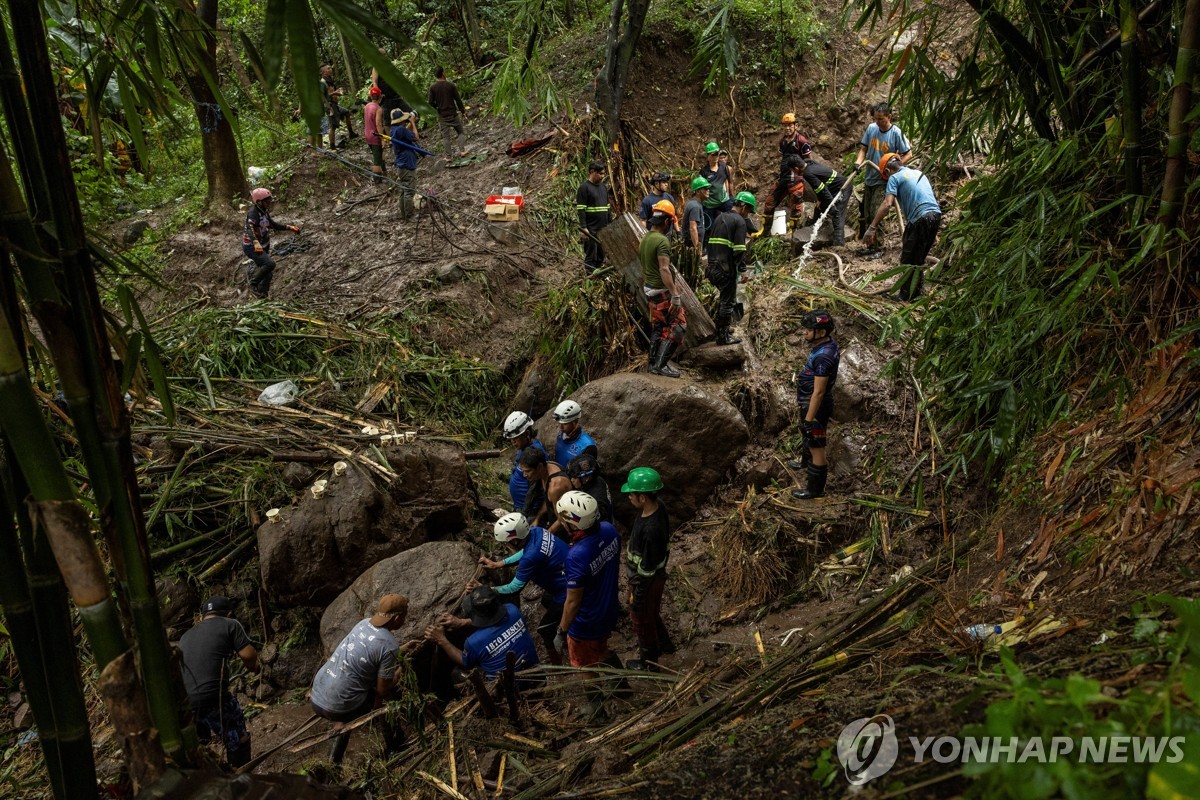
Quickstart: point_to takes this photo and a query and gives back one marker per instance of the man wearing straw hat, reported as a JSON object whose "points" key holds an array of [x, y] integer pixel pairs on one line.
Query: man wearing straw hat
{"points": [[361, 673]]}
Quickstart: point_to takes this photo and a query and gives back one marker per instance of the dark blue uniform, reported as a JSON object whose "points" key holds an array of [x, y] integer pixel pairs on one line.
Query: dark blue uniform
{"points": [[822, 361]]}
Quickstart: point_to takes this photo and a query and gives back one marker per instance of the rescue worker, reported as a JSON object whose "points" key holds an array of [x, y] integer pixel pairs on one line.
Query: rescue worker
{"points": [[814, 396], [443, 95], [659, 182], [720, 179], [790, 182], [521, 433], [572, 440], [646, 565], [375, 130], [791, 143], [591, 205], [361, 673], [584, 473], [499, 630], [693, 226], [727, 259], [668, 318], [547, 483], [827, 185], [206, 648], [922, 215], [404, 138], [256, 241], [880, 139], [593, 575], [541, 559]]}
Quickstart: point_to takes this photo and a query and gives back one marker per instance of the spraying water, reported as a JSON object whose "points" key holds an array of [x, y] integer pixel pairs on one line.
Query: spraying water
{"points": [[806, 253]]}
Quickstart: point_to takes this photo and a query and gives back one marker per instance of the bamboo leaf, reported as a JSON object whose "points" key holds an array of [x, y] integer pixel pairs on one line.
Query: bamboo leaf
{"points": [[275, 27], [302, 50]]}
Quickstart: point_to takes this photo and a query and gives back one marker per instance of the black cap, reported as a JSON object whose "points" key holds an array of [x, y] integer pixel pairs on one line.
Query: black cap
{"points": [[216, 605], [660, 176], [483, 606], [582, 466], [817, 318]]}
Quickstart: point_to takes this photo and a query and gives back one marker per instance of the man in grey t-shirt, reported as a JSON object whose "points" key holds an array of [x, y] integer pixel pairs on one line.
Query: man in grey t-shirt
{"points": [[692, 226], [361, 673]]}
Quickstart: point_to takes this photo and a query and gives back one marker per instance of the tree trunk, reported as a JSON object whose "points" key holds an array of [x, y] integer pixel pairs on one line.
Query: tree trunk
{"points": [[471, 24], [239, 69], [222, 164], [350, 62], [619, 50], [1131, 99], [1175, 177]]}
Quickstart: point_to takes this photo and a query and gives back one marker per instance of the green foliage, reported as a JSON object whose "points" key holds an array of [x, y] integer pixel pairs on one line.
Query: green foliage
{"points": [[587, 330], [1076, 706], [1036, 292]]}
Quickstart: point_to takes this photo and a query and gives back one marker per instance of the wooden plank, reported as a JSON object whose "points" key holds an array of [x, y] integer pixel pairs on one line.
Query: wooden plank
{"points": [[621, 239]]}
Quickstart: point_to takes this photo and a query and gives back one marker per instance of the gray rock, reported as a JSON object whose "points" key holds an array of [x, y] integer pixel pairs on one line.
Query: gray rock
{"points": [[431, 576], [135, 231], [690, 436], [177, 601], [324, 543], [845, 456], [715, 356], [535, 392], [449, 273], [297, 475]]}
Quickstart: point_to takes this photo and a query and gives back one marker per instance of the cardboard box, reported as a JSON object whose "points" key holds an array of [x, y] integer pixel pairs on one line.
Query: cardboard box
{"points": [[502, 212]]}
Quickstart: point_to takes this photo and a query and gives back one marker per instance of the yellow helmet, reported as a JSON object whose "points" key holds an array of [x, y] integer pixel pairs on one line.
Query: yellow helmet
{"points": [[789, 118]]}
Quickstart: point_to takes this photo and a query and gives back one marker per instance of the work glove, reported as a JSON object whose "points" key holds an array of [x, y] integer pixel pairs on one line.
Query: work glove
{"points": [[294, 228], [808, 425], [560, 641], [258, 248], [637, 596]]}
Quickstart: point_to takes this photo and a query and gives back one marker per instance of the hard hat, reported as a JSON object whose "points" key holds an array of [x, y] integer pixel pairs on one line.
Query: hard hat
{"points": [[567, 411], [518, 422], [643, 479], [659, 177], [887, 160], [817, 318], [712, 147], [700, 182], [789, 118], [578, 510], [374, 91], [260, 194], [745, 198], [582, 466], [666, 207], [511, 528]]}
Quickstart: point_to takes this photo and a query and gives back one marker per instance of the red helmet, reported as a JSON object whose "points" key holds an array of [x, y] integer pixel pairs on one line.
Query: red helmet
{"points": [[260, 194], [374, 91]]}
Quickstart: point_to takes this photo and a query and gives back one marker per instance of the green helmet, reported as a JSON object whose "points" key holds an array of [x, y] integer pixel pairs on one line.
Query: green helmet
{"points": [[700, 182], [712, 147], [643, 479], [745, 198]]}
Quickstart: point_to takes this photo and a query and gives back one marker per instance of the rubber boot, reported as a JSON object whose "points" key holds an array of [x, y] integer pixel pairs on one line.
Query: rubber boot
{"points": [[652, 354], [337, 750], [724, 335], [620, 687], [648, 661], [662, 358], [802, 462], [816, 483], [593, 710]]}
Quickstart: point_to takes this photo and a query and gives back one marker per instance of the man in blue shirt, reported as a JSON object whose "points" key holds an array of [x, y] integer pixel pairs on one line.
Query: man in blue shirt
{"points": [[593, 573], [499, 630], [404, 139], [814, 396], [880, 139], [659, 182], [541, 558], [571, 441], [519, 430], [922, 216]]}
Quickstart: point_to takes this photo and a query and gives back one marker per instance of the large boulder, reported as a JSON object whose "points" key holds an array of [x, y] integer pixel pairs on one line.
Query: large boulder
{"points": [[690, 436], [431, 576], [324, 543]]}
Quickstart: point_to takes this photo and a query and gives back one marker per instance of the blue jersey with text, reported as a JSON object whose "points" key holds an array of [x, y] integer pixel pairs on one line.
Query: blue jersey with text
{"points": [[594, 565], [518, 487], [544, 562], [487, 648], [566, 449], [914, 193]]}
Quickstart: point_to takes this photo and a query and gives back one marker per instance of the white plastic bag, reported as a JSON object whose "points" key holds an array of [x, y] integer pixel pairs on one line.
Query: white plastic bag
{"points": [[279, 394]]}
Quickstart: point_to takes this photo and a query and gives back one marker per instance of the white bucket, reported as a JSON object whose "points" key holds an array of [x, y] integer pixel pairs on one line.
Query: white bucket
{"points": [[272, 515], [340, 467], [779, 222]]}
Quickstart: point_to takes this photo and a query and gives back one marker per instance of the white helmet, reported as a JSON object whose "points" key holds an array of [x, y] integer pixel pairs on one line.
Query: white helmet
{"points": [[511, 528], [578, 510], [518, 422], [567, 411]]}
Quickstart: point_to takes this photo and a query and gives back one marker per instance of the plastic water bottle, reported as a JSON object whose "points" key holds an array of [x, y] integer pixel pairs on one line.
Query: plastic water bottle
{"points": [[982, 631]]}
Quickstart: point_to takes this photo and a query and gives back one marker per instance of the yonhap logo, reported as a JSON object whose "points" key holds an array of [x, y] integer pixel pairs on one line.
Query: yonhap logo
{"points": [[867, 748]]}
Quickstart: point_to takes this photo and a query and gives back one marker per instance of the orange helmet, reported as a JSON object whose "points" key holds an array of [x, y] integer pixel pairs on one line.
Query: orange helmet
{"points": [[887, 159], [789, 118], [666, 207]]}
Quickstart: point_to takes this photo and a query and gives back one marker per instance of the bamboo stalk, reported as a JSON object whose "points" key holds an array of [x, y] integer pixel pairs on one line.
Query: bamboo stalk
{"points": [[1131, 99], [1175, 175], [453, 768]]}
